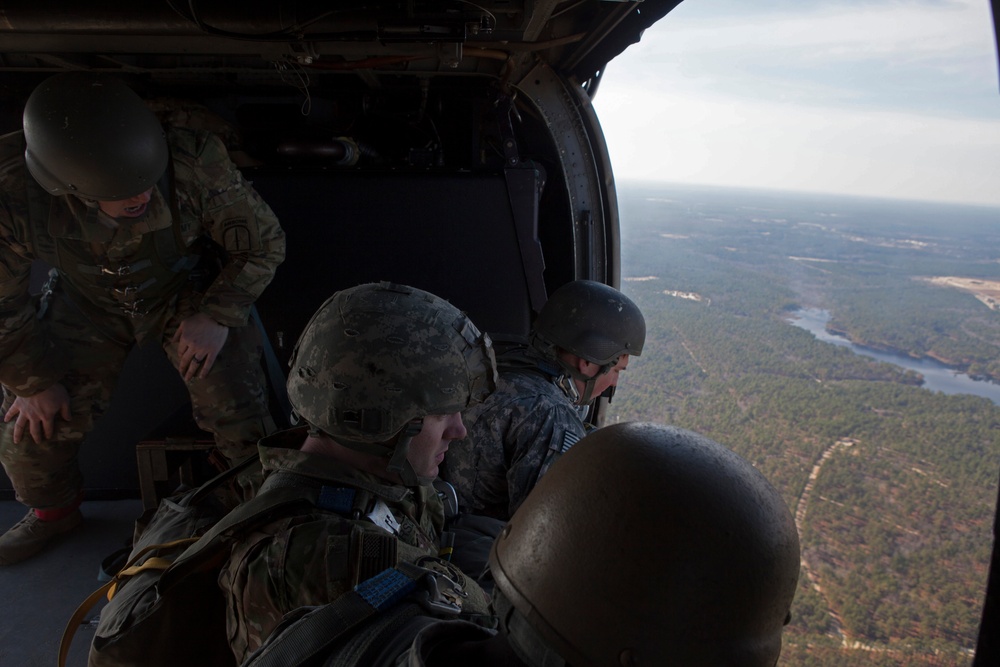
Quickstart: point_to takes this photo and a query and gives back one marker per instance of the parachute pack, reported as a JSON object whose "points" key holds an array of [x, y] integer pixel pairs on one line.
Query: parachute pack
{"points": [[165, 607]]}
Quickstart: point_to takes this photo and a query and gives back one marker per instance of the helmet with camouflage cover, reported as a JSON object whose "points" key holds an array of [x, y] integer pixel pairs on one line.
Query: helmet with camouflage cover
{"points": [[377, 358], [93, 137], [648, 545], [593, 321]]}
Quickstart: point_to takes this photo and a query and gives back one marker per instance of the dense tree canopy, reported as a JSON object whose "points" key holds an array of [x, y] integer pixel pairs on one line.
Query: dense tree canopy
{"points": [[896, 523]]}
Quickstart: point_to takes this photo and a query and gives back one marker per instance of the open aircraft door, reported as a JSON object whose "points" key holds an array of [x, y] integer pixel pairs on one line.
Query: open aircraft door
{"points": [[439, 143]]}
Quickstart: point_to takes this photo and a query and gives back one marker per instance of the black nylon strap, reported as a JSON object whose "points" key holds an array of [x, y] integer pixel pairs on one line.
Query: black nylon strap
{"points": [[275, 373], [243, 515], [318, 630]]}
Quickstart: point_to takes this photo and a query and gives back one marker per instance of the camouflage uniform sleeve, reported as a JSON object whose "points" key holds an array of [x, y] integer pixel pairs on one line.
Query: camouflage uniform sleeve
{"points": [[297, 562], [537, 437], [242, 223], [514, 436], [476, 465], [28, 363]]}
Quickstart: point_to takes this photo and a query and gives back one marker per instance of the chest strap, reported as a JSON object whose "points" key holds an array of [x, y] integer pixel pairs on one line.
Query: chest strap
{"points": [[311, 633]]}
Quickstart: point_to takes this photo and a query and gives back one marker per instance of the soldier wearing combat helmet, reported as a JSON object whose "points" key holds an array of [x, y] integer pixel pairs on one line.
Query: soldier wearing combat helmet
{"points": [[154, 237], [379, 376], [581, 340], [688, 556], [644, 546]]}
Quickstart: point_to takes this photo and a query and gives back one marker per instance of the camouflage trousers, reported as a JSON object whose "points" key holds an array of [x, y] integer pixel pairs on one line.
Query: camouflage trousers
{"points": [[231, 402]]}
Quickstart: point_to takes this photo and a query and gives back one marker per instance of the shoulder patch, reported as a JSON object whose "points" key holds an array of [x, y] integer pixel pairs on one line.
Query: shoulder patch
{"points": [[237, 235], [569, 439]]}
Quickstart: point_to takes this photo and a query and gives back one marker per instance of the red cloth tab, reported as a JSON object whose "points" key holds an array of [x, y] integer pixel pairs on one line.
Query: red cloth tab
{"points": [[59, 512]]}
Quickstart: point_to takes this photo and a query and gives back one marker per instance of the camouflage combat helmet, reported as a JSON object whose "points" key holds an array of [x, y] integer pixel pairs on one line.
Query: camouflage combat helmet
{"points": [[647, 545], [93, 137], [376, 358], [593, 321]]}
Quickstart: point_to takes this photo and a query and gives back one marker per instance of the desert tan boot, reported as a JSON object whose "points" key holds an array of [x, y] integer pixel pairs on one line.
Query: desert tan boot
{"points": [[30, 535]]}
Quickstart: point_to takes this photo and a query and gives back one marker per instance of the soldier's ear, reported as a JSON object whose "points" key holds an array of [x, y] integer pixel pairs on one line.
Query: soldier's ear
{"points": [[585, 367]]}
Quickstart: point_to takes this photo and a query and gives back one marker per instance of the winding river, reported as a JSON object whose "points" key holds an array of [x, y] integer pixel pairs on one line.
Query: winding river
{"points": [[937, 376]]}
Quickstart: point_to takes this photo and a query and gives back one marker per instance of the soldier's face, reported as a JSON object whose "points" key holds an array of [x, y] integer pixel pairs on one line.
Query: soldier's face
{"points": [[133, 207], [428, 447], [609, 379]]}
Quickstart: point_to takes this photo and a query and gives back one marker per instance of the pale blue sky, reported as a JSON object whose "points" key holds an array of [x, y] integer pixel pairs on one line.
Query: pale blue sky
{"points": [[886, 98]]}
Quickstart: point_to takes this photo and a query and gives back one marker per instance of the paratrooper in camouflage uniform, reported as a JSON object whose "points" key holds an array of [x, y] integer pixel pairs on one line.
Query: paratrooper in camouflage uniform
{"points": [[582, 339], [380, 376], [311, 559], [644, 545], [147, 276]]}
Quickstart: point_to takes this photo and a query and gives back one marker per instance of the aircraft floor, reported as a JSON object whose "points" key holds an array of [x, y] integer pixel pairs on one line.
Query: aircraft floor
{"points": [[39, 596]]}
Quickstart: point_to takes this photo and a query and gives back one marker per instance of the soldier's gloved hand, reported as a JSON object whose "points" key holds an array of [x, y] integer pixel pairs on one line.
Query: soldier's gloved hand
{"points": [[38, 413], [199, 339]]}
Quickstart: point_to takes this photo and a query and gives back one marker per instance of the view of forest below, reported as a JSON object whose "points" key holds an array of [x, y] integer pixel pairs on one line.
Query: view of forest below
{"points": [[893, 486]]}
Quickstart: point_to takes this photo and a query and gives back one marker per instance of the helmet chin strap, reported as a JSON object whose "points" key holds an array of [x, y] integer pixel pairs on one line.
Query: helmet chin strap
{"points": [[589, 382], [398, 463], [523, 638], [588, 387]]}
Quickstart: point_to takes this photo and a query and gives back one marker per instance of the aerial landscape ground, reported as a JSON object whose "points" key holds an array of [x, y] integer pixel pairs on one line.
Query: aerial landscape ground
{"points": [[893, 486], [987, 291]]}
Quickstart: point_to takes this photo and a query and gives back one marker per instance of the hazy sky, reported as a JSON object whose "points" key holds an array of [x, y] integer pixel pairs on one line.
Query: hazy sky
{"points": [[887, 98]]}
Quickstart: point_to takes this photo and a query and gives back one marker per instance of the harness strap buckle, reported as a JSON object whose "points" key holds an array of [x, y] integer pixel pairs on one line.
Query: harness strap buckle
{"points": [[132, 309], [48, 290], [440, 595], [121, 271]]}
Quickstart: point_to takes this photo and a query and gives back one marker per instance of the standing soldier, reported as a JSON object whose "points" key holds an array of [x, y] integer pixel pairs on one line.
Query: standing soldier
{"points": [[154, 236], [581, 341]]}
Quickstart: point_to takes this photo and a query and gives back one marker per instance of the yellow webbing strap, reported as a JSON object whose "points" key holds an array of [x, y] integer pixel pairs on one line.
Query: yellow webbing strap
{"points": [[154, 563], [77, 620], [110, 588]]}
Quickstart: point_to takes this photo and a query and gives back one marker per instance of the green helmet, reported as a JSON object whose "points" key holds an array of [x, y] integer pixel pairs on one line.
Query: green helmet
{"points": [[378, 357], [648, 545], [93, 137], [592, 321]]}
